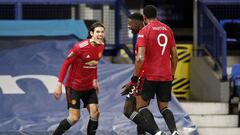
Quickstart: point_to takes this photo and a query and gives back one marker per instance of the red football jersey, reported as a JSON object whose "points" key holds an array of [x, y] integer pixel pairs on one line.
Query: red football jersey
{"points": [[157, 38], [82, 59]]}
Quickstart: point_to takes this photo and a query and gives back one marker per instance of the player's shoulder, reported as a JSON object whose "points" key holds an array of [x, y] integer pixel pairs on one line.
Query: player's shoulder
{"points": [[144, 29], [101, 46], [165, 25], [82, 44]]}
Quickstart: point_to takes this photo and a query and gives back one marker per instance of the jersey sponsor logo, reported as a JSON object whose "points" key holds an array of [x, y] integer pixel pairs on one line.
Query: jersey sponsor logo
{"points": [[140, 36], [83, 44], [92, 63], [89, 66], [9, 85], [71, 54]]}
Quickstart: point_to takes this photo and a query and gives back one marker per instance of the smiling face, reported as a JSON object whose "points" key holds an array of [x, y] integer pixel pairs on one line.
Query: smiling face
{"points": [[98, 35]]}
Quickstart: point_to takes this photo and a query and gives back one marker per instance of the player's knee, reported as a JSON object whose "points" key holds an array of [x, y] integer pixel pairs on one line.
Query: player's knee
{"points": [[129, 109], [95, 114], [72, 119], [163, 109], [166, 111], [142, 109], [127, 112], [142, 104], [162, 105]]}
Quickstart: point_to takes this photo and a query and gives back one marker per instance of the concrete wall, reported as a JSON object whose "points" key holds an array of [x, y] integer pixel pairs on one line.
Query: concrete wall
{"points": [[205, 84]]}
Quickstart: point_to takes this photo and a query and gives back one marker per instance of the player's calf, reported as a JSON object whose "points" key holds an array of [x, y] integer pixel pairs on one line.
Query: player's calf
{"points": [[169, 119], [62, 127], [92, 126]]}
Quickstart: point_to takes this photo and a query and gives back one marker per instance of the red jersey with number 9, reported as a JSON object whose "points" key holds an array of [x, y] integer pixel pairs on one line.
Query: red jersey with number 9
{"points": [[157, 38]]}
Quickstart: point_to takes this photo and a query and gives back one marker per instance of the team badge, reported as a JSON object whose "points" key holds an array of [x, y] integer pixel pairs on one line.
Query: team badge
{"points": [[73, 102]]}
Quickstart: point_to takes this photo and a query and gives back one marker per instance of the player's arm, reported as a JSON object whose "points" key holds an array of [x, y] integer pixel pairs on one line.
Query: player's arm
{"points": [[68, 61], [174, 55], [72, 55], [96, 85], [95, 81], [138, 65], [139, 60], [174, 59], [130, 87]]}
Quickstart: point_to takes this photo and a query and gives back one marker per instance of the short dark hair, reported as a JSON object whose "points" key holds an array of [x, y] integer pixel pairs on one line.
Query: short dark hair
{"points": [[136, 16], [93, 26], [150, 11]]}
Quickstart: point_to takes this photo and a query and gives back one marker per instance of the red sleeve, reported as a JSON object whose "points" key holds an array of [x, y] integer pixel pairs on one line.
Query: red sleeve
{"points": [[72, 55], [141, 40]]}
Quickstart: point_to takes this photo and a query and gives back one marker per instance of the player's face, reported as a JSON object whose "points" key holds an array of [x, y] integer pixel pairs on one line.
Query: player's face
{"points": [[98, 35], [133, 26]]}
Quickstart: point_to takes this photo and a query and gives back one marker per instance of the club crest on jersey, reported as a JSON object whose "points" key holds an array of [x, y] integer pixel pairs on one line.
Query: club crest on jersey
{"points": [[71, 54]]}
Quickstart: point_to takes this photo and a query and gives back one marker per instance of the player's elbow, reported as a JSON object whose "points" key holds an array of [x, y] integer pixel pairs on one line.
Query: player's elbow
{"points": [[140, 59], [175, 57]]}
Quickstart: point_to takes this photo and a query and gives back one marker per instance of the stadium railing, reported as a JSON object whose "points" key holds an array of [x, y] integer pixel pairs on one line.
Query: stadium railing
{"points": [[211, 34], [212, 38], [233, 37]]}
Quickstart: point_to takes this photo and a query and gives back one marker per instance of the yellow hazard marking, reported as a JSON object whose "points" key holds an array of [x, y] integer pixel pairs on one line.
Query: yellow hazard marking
{"points": [[181, 83]]}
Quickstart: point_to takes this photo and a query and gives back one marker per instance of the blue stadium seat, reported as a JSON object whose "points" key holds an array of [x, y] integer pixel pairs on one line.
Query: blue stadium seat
{"points": [[235, 79]]}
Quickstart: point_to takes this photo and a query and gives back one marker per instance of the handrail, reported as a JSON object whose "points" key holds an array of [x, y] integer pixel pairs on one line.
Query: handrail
{"points": [[224, 21], [213, 19], [216, 40]]}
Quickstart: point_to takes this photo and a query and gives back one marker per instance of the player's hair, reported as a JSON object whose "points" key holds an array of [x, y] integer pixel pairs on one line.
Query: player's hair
{"points": [[93, 26], [150, 11], [136, 16]]}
